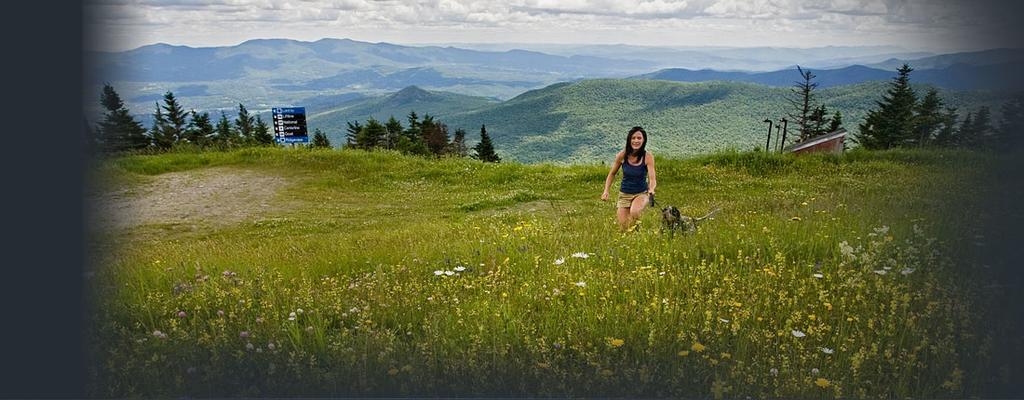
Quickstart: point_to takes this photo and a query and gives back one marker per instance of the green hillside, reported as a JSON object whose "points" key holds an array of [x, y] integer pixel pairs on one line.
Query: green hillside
{"points": [[269, 272], [586, 121]]}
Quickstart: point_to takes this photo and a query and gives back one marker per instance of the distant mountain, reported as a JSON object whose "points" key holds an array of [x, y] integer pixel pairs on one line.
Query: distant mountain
{"points": [[587, 120], [973, 58], [1003, 76]]}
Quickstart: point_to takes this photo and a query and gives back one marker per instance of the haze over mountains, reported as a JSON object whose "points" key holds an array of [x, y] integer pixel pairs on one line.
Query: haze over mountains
{"points": [[549, 102]]}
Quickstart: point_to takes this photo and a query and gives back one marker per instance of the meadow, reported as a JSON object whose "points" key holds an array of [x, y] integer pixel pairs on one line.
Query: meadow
{"points": [[867, 274]]}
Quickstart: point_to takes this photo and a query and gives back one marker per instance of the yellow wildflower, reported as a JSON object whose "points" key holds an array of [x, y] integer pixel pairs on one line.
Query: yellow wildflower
{"points": [[684, 353], [617, 342], [393, 371], [697, 347], [607, 372], [822, 382]]}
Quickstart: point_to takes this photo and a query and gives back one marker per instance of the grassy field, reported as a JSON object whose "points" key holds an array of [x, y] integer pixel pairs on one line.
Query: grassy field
{"points": [[376, 274]]}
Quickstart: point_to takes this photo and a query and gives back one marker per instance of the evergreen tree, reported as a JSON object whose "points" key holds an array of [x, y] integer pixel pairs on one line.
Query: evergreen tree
{"points": [[458, 145], [226, 135], [983, 130], [819, 122], [244, 124], [892, 124], [946, 135], [803, 103], [352, 132], [484, 150], [200, 131], [371, 136], [119, 131], [175, 117], [393, 131], [261, 132], [837, 122], [320, 139], [967, 136], [413, 132], [928, 118], [163, 137], [1011, 125], [434, 134]]}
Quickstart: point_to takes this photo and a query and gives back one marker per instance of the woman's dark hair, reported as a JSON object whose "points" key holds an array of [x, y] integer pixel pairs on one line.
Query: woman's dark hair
{"points": [[641, 152]]}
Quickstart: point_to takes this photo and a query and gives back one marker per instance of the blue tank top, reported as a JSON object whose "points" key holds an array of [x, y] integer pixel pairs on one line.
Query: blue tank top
{"points": [[634, 177]]}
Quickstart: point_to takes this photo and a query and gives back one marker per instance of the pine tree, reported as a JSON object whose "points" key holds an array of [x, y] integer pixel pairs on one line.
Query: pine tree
{"points": [[967, 135], [892, 124], [484, 150], [371, 136], [261, 132], [458, 145], [803, 102], [175, 117], [413, 132], [244, 124], [393, 131], [837, 122], [226, 135], [352, 132], [320, 139], [119, 131], [163, 138], [199, 131], [928, 118], [983, 128], [818, 122], [946, 135]]}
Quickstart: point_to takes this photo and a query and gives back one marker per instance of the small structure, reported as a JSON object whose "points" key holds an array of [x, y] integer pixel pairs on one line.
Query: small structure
{"points": [[833, 142]]}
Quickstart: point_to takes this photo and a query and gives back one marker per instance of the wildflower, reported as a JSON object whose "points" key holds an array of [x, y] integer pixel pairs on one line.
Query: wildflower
{"points": [[393, 371], [581, 284], [557, 346], [181, 314], [259, 320], [249, 346], [684, 353], [798, 333], [697, 347], [617, 342], [243, 334], [159, 335], [724, 320], [559, 261], [828, 306], [726, 356], [299, 311], [580, 255], [460, 268], [439, 272], [407, 368], [814, 371], [846, 249], [819, 276], [795, 219], [271, 346], [449, 273], [291, 316], [220, 313], [309, 329], [543, 365], [907, 271], [607, 372], [880, 271], [827, 350], [822, 382], [774, 371]]}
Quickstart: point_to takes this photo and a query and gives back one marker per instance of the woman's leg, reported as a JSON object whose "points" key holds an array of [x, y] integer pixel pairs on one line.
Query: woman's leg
{"points": [[622, 213], [637, 208]]}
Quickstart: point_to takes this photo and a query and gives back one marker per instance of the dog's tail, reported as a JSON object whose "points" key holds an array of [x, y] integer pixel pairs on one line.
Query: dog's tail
{"points": [[710, 214]]}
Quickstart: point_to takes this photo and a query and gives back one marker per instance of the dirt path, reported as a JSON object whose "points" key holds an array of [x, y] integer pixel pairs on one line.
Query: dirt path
{"points": [[206, 197]]}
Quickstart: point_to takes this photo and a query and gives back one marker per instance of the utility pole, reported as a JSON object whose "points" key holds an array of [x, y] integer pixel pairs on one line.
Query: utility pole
{"points": [[784, 123], [769, 142]]}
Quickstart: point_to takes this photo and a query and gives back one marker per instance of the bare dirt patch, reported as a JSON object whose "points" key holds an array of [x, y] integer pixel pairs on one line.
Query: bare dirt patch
{"points": [[206, 197]]}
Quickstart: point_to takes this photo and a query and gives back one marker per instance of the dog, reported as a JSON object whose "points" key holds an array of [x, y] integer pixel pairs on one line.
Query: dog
{"points": [[673, 221]]}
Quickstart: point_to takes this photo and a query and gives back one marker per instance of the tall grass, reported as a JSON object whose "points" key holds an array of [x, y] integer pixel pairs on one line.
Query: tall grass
{"points": [[392, 275]]}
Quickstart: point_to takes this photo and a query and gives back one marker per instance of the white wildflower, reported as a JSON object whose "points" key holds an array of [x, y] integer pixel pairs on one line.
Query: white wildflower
{"points": [[880, 271], [774, 371], [815, 371], [907, 271], [449, 273], [581, 284], [460, 268], [560, 261], [827, 350], [846, 250], [291, 316], [439, 272], [819, 276], [798, 333], [580, 255], [724, 320]]}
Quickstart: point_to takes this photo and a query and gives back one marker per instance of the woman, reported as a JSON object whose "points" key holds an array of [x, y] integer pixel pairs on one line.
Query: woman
{"points": [[637, 170]]}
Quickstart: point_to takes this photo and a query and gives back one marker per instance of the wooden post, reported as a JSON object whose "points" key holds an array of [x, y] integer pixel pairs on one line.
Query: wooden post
{"points": [[784, 123], [769, 142]]}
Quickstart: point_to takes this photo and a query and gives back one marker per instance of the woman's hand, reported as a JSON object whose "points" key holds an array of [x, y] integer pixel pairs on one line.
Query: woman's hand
{"points": [[604, 196]]}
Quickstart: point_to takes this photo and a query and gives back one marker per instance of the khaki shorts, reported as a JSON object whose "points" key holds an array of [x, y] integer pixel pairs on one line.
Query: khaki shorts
{"points": [[626, 200]]}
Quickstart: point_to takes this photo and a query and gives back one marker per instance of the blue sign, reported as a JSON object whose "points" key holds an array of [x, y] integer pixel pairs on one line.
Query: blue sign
{"points": [[290, 125]]}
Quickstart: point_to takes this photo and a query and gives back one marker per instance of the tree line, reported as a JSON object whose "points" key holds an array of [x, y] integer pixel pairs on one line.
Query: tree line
{"points": [[428, 136], [902, 119], [173, 126]]}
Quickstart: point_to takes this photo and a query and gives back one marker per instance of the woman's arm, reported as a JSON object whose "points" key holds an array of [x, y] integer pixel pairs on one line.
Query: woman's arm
{"points": [[652, 179], [611, 174]]}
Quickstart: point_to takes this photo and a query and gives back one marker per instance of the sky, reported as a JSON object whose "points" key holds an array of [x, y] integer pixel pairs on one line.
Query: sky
{"points": [[919, 25]]}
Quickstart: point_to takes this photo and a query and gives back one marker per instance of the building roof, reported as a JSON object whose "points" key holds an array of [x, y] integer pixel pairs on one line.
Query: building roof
{"points": [[817, 140]]}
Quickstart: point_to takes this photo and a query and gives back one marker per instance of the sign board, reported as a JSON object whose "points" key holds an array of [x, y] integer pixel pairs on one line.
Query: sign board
{"points": [[290, 125]]}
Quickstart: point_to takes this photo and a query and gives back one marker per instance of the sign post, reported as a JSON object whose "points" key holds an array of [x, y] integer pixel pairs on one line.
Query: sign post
{"points": [[290, 125]]}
